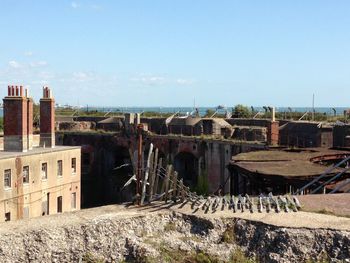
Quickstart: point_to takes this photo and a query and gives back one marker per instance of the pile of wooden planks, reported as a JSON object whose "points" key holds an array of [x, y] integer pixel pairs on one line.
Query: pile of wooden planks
{"points": [[163, 184]]}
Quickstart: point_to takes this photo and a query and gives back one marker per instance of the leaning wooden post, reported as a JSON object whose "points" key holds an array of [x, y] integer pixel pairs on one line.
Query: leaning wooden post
{"points": [[155, 190], [166, 181], [152, 174], [174, 194], [139, 163], [181, 193], [169, 193], [145, 179]]}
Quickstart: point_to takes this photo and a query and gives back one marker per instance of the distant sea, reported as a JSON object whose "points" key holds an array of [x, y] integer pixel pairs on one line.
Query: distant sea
{"points": [[202, 110]]}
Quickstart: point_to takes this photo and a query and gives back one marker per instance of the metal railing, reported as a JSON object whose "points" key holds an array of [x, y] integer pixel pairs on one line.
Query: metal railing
{"points": [[325, 174]]}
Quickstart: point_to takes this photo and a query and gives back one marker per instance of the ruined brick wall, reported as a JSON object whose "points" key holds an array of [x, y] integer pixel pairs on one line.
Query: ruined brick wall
{"points": [[341, 135]]}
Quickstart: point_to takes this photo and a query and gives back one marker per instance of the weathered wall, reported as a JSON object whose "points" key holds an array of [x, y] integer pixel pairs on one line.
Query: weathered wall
{"points": [[101, 185], [107, 236], [101, 153], [340, 136], [31, 195]]}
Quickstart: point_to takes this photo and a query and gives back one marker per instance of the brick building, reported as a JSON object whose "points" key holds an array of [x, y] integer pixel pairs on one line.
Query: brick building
{"points": [[39, 180]]}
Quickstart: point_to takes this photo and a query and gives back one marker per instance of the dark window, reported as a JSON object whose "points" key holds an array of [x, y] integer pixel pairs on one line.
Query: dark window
{"points": [[44, 171], [74, 200], [7, 216], [59, 204], [7, 178], [26, 174], [59, 168], [74, 165]]}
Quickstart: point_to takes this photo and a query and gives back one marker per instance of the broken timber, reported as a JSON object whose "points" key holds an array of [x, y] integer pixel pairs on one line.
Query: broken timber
{"points": [[164, 184]]}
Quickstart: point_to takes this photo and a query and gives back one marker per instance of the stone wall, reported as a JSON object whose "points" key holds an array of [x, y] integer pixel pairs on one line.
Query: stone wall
{"points": [[105, 236]]}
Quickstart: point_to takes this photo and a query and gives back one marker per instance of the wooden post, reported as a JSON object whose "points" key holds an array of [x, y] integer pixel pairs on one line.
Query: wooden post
{"points": [[171, 185], [175, 195], [153, 175], [181, 193], [150, 178], [156, 183], [145, 179], [139, 163], [166, 182]]}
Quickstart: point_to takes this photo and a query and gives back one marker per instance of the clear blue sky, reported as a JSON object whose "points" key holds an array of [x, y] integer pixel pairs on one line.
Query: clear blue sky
{"points": [[166, 53]]}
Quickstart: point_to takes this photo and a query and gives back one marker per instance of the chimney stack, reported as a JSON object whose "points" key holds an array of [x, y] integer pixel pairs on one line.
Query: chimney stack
{"points": [[47, 119], [18, 120], [273, 129]]}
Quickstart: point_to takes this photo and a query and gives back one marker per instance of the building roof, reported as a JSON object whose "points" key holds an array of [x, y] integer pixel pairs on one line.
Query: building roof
{"points": [[286, 163], [112, 120], [189, 121], [36, 150], [222, 122]]}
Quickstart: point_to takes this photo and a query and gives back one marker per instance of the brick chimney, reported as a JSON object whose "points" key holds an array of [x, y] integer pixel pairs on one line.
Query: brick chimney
{"points": [[29, 120], [47, 119], [18, 124], [273, 129]]}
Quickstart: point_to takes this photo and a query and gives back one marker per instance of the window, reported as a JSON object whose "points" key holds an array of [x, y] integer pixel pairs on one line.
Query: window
{"points": [[7, 178], [59, 168], [7, 216], [59, 204], [26, 174], [74, 165], [44, 171], [74, 200]]}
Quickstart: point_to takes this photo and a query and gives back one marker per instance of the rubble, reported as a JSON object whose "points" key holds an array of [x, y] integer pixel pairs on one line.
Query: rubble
{"points": [[104, 235]]}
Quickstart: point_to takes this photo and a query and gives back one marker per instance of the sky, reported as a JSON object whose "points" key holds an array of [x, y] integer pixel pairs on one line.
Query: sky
{"points": [[178, 52]]}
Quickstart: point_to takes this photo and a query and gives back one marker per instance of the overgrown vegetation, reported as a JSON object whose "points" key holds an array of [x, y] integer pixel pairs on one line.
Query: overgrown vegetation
{"points": [[170, 227], [90, 258], [229, 235], [239, 256], [241, 111], [202, 187], [323, 258]]}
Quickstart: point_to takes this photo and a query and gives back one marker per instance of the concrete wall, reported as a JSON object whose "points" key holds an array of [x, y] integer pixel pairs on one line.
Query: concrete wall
{"points": [[340, 136], [33, 195], [249, 122], [101, 184], [305, 134]]}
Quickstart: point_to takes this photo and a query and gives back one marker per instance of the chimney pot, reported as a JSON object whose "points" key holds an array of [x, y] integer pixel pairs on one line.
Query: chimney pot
{"points": [[17, 91], [21, 91], [9, 90]]}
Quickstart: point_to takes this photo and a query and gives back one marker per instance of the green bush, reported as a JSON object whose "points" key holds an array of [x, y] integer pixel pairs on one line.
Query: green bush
{"points": [[202, 186]]}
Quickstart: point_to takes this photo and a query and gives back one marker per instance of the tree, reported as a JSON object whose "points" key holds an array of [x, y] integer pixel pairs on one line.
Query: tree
{"points": [[241, 111]]}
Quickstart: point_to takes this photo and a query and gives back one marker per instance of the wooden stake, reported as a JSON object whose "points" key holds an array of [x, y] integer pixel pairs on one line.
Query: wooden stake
{"points": [[153, 175], [156, 183], [144, 183], [166, 181]]}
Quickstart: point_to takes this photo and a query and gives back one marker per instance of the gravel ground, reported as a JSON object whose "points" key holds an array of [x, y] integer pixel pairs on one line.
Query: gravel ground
{"points": [[291, 219], [338, 204]]}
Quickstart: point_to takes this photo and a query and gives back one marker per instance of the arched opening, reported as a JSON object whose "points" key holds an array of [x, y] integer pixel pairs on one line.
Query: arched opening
{"points": [[186, 164]]}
